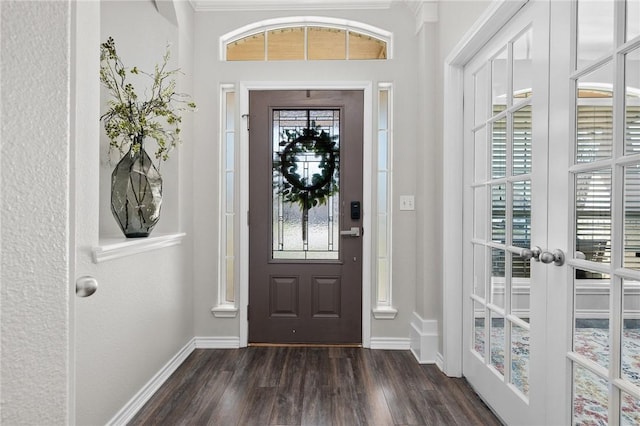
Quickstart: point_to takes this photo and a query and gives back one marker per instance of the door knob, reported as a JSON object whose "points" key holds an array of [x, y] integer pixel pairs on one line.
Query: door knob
{"points": [[532, 253], [557, 257], [86, 286]]}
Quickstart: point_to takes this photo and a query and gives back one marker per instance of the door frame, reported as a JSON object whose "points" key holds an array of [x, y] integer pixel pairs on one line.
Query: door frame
{"points": [[367, 192], [490, 22]]}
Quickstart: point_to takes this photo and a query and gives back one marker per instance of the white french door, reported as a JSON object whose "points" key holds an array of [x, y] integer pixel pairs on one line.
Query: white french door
{"points": [[603, 281], [506, 183], [552, 159]]}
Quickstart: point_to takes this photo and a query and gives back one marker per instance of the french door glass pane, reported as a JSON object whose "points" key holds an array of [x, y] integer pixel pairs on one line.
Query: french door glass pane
{"points": [[630, 367], [632, 217], [480, 155], [498, 212], [520, 287], [520, 358], [480, 217], [591, 326], [522, 77], [590, 398], [595, 30], [499, 82], [521, 141], [481, 80], [497, 277], [593, 216], [595, 115], [497, 341], [479, 270], [306, 205], [632, 102], [633, 19], [479, 328], [521, 214], [629, 410], [499, 148]]}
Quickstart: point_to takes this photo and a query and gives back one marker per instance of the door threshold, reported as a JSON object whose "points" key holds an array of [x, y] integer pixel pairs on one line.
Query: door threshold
{"points": [[306, 345]]}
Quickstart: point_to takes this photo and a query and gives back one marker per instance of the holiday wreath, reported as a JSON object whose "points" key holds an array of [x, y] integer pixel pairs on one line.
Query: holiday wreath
{"points": [[316, 189]]}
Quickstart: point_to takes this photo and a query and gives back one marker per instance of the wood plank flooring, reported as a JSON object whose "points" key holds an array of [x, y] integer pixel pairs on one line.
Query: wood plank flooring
{"points": [[311, 386]]}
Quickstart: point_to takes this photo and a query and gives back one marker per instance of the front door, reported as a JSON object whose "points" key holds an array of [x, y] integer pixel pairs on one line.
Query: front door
{"points": [[305, 216]]}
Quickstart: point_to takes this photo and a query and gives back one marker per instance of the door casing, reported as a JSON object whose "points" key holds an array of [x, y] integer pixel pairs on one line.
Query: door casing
{"points": [[367, 195]]}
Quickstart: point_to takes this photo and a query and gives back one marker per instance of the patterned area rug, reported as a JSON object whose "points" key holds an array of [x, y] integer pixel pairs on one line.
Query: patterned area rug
{"points": [[590, 405]]}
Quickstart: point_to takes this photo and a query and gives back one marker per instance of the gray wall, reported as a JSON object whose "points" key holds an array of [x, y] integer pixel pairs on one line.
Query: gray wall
{"points": [[141, 315], [210, 72]]}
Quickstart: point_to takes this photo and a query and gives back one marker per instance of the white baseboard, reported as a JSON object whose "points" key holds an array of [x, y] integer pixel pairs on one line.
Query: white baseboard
{"points": [[424, 339], [130, 409], [391, 343], [217, 342], [440, 361]]}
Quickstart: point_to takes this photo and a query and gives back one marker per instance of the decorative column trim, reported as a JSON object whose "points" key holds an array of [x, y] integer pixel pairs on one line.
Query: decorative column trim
{"points": [[424, 11], [424, 339]]}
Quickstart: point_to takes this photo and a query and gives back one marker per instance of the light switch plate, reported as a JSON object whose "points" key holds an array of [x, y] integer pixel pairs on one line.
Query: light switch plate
{"points": [[407, 202]]}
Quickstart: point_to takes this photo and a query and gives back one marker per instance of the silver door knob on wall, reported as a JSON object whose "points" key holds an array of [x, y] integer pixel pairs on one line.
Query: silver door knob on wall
{"points": [[86, 286], [557, 257]]}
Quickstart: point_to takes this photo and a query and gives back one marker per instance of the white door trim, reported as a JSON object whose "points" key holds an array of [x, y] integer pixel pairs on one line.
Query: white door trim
{"points": [[367, 206], [495, 17]]}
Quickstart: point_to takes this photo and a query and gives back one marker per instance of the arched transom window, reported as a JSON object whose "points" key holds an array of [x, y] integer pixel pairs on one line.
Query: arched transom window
{"points": [[306, 38]]}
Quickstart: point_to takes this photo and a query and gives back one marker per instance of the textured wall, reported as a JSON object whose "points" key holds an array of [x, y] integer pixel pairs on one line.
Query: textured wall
{"points": [[34, 213]]}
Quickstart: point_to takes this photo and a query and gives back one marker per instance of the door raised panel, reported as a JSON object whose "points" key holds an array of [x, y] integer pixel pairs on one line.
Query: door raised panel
{"points": [[326, 297], [283, 297]]}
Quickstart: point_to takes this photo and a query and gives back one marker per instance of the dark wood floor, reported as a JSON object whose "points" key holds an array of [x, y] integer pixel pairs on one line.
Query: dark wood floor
{"points": [[311, 386]]}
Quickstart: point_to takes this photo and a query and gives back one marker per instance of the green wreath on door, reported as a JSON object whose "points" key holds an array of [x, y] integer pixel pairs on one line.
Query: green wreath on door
{"points": [[314, 190]]}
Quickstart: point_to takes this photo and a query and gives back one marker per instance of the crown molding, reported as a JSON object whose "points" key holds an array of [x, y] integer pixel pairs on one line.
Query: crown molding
{"points": [[252, 5], [424, 11]]}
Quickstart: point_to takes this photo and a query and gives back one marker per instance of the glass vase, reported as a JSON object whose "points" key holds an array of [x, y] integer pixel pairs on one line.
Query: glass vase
{"points": [[136, 193]]}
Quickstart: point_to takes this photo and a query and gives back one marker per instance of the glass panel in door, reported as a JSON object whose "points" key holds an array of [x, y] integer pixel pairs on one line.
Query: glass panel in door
{"points": [[306, 166], [605, 344]]}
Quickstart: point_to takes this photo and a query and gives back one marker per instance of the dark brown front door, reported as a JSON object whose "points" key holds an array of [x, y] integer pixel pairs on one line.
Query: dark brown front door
{"points": [[305, 194]]}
